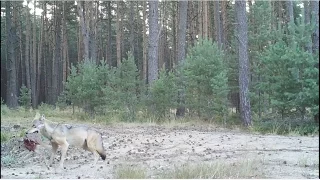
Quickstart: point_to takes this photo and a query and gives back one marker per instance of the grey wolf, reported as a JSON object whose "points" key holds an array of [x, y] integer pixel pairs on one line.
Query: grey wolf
{"points": [[64, 135]]}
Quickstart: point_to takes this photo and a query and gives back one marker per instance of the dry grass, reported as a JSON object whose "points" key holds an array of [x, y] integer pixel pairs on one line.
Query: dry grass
{"points": [[217, 170], [130, 172]]}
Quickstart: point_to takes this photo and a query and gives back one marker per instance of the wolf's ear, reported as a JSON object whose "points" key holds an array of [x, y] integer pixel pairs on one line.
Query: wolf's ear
{"points": [[37, 116]]}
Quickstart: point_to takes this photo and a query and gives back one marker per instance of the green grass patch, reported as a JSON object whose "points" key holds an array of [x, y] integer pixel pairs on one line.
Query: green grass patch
{"points": [[287, 127], [130, 172], [5, 136], [216, 170]]}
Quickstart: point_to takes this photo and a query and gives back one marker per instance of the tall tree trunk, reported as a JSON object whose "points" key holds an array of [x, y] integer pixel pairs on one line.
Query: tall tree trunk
{"points": [[109, 27], [33, 62], [183, 8], [315, 39], [145, 42], [217, 23], [84, 28], [245, 109], [224, 23], [307, 21], [22, 63], [131, 22], [205, 19], [200, 20], [153, 42], [289, 4], [12, 93], [315, 13], [64, 46], [119, 32], [40, 49], [27, 56]]}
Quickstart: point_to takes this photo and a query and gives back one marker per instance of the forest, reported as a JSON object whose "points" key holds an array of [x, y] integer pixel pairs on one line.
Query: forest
{"points": [[243, 62]]}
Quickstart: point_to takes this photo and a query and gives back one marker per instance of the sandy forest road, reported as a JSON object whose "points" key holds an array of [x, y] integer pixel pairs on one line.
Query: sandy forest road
{"points": [[157, 149]]}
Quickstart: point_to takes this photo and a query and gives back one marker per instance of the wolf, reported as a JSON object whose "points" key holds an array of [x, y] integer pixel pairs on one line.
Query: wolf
{"points": [[64, 135]]}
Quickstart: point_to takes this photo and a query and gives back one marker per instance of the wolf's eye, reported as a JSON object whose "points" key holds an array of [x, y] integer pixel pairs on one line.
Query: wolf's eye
{"points": [[33, 126], [36, 131]]}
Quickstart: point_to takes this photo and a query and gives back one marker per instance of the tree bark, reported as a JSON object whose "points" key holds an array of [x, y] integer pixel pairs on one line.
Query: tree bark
{"points": [[245, 109], [131, 22], [183, 8], [27, 56], [205, 19], [119, 33], [153, 42], [289, 4], [145, 44], [34, 62], [307, 21], [12, 93], [315, 13], [84, 29], [109, 26], [217, 23]]}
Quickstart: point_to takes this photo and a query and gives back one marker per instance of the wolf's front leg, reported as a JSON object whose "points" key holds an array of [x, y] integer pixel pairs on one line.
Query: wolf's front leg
{"points": [[64, 148], [53, 153]]}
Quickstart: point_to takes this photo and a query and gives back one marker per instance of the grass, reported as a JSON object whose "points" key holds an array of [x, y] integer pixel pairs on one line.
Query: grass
{"points": [[130, 172], [267, 126], [4, 136], [286, 127], [217, 170], [308, 162]]}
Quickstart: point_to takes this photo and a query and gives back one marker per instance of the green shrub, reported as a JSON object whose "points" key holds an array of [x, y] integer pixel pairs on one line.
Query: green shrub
{"points": [[25, 97], [162, 95], [62, 101], [205, 74]]}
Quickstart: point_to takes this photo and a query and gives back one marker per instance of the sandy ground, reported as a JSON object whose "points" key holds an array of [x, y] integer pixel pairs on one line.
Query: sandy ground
{"points": [[157, 149]]}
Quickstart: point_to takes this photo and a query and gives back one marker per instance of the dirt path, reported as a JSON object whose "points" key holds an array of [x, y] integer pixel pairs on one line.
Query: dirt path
{"points": [[157, 149]]}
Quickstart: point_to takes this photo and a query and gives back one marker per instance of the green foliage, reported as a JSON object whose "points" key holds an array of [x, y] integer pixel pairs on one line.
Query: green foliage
{"points": [[25, 97], [163, 95], [205, 76], [127, 87], [84, 88], [4, 108], [290, 76], [4, 137], [285, 127], [100, 89], [62, 101]]}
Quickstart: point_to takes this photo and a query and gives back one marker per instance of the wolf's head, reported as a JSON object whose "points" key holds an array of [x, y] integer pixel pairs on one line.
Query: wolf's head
{"points": [[37, 124]]}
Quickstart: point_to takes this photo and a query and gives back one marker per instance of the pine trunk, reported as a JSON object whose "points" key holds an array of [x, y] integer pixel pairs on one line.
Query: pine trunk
{"points": [[183, 8], [119, 32], [145, 42], [12, 93], [153, 42], [245, 109]]}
